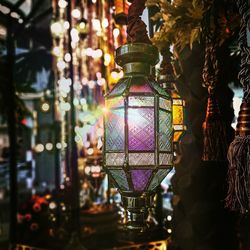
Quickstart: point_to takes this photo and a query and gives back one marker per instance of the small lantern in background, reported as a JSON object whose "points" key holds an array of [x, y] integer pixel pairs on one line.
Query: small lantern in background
{"points": [[121, 11], [166, 79], [138, 132], [178, 114]]}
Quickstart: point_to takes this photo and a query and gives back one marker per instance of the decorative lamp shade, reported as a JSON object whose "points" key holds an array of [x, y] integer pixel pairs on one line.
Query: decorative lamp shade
{"points": [[121, 11], [178, 114], [138, 132]]}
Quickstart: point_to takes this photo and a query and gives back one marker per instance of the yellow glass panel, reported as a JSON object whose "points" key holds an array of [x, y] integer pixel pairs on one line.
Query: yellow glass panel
{"points": [[178, 115]]}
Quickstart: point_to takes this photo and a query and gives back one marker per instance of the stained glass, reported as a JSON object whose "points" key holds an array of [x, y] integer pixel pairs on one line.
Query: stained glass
{"points": [[158, 178], [115, 130], [141, 129], [141, 101], [119, 88], [121, 179], [140, 89], [166, 159], [165, 131], [178, 102], [140, 178], [177, 114], [115, 159], [139, 85], [177, 136], [141, 159], [165, 104], [160, 90], [115, 102]]}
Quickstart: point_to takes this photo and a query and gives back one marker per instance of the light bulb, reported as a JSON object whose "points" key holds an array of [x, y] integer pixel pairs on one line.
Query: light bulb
{"points": [[105, 23], [49, 146], [66, 25], [57, 28], [67, 57], [116, 32], [45, 107], [39, 148], [62, 4], [76, 13]]}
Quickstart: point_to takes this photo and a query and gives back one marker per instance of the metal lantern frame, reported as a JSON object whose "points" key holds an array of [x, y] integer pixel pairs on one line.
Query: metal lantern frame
{"points": [[135, 92]]}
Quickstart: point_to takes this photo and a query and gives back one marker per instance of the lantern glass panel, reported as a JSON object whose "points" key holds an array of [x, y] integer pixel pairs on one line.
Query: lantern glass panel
{"points": [[115, 159], [178, 114], [138, 85], [140, 178], [140, 89], [177, 135], [165, 159], [143, 159], [165, 104], [115, 130], [121, 179], [115, 102], [141, 129], [141, 101], [165, 131], [158, 178], [119, 88]]}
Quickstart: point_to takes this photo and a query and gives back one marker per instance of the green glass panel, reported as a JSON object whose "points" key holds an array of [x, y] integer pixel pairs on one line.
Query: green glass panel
{"points": [[158, 178], [165, 131], [120, 178], [119, 88]]}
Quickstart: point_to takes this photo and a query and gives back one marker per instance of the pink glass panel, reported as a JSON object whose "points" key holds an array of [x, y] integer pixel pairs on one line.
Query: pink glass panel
{"points": [[141, 129], [140, 178], [141, 88]]}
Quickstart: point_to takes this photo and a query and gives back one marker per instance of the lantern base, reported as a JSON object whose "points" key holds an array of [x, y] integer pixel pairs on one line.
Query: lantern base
{"points": [[136, 211]]}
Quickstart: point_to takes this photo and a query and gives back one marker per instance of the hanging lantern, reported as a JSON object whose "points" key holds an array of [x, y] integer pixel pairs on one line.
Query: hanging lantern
{"points": [[178, 114], [166, 79], [121, 11], [138, 132]]}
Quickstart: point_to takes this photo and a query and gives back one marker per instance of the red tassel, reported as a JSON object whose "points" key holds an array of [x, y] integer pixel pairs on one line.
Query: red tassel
{"points": [[214, 133], [238, 197], [136, 29]]}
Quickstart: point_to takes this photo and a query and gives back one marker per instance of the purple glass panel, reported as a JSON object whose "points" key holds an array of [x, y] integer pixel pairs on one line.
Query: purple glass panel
{"points": [[141, 129], [140, 178], [115, 130]]}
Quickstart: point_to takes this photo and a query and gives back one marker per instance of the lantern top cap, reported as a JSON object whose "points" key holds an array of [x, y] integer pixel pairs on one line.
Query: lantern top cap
{"points": [[137, 52]]}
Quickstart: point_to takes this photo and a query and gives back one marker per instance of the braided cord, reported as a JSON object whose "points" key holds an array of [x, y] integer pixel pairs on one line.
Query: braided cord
{"points": [[244, 74], [211, 69]]}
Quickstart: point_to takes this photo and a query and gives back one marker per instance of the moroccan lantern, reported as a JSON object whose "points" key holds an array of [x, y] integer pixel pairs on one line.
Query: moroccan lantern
{"points": [[166, 79], [178, 114], [138, 132], [121, 11]]}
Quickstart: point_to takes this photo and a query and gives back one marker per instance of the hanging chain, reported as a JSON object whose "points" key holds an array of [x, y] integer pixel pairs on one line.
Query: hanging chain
{"points": [[244, 74]]}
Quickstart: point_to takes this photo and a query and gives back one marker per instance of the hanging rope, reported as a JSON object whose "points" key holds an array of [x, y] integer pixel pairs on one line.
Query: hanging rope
{"points": [[244, 74], [214, 131], [238, 196], [136, 29]]}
